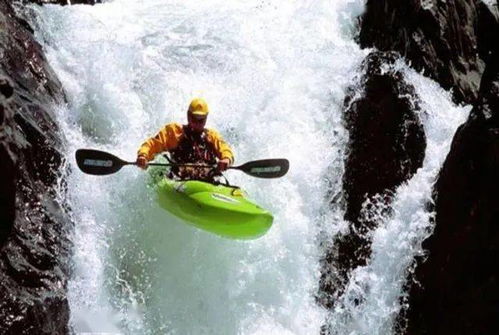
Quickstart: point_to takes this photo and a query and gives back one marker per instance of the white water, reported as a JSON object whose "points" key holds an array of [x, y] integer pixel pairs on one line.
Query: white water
{"points": [[399, 236], [492, 4], [275, 76]]}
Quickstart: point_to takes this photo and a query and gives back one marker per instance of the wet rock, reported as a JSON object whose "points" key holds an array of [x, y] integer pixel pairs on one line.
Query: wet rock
{"points": [[438, 37], [486, 26], [64, 2], [386, 147], [7, 157], [458, 284], [34, 254], [6, 88]]}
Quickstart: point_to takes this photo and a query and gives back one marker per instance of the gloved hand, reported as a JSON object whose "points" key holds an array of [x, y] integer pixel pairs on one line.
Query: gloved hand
{"points": [[142, 162], [223, 165]]}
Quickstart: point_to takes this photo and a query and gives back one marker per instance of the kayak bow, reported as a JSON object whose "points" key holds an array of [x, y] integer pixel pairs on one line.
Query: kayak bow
{"points": [[218, 209]]}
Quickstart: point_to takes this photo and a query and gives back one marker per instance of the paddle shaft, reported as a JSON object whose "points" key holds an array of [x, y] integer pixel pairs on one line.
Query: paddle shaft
{"points": [[187, 165], [170, 164], [98, 162]]}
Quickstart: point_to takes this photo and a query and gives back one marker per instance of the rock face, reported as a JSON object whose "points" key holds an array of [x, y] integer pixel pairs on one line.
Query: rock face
{"points": [[458, 291], [386, 147], [64, 2], [35, 249], [439, 37], [7, 172], [451, 41]]}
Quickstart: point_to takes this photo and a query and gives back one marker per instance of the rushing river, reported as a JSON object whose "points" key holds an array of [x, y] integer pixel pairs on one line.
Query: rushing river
{"points": [[275, 76]]}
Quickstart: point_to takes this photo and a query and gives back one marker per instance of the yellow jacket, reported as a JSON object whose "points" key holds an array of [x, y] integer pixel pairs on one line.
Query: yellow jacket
{"points": [[169, 137]]}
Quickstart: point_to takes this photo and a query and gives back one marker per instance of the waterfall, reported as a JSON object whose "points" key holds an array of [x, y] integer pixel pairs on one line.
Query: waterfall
{"points": [[275, 76]]}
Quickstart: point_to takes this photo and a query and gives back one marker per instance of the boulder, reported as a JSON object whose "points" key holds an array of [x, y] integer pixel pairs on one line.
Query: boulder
{"points": [[386, 146]]}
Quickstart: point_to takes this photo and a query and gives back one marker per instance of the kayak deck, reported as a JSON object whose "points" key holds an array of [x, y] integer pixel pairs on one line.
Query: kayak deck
{"points": [[219, 209]]}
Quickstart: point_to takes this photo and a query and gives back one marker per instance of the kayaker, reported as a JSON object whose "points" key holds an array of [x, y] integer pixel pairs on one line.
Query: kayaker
{"points": [[189, 144]]}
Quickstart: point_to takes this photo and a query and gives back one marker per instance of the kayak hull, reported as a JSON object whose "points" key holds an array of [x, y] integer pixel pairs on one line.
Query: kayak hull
{"points": [[218, 209]]}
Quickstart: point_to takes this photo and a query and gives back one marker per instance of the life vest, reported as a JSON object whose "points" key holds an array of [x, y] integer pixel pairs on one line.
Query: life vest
{"points": [[186, 147], [168, 138], [193, 148]]}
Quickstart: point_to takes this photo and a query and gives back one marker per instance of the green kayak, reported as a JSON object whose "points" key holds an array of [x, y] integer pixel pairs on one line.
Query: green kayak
{"points": [[219, 209]]}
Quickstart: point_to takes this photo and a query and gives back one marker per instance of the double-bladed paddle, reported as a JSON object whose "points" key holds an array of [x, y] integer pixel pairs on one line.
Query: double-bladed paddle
{"points": [[101, 163]]}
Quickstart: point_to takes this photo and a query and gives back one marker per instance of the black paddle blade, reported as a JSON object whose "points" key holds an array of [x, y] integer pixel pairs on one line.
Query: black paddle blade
{"points": [[265, 168], [98, 162]]}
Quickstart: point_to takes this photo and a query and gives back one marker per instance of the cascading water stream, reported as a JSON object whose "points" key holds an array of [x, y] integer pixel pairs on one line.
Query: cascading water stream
{"points": [[275, 76], [372, 298]]}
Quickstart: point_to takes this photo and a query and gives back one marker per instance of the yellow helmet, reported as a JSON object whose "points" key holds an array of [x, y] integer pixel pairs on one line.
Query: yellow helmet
{"points": [[198, 107]]}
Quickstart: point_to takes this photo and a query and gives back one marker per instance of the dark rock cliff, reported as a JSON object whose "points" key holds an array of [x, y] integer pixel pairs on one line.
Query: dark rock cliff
{"points": [[386, 147], [34, 226], [64, 2], [458, 285], [35, 248], [437, 37], [450, 41]]}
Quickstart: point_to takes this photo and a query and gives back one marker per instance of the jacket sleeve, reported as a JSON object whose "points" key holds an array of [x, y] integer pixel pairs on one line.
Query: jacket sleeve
{"points": [[166, 139], [222, 149]]}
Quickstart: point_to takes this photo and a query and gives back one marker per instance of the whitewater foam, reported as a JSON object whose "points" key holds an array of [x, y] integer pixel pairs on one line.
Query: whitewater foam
{"points": [[275, 76]]}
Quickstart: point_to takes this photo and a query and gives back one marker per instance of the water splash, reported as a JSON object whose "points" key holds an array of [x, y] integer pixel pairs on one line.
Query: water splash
{"points": [[275, 76], [372, 298]]}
